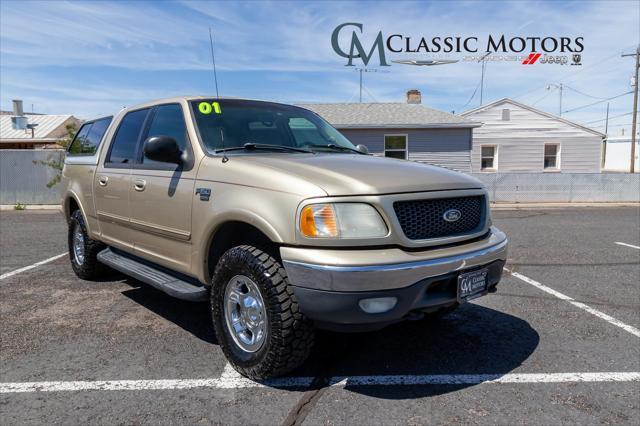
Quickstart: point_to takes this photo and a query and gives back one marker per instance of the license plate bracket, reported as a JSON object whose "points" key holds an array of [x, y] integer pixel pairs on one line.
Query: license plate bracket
{"points": [[472, 284]]}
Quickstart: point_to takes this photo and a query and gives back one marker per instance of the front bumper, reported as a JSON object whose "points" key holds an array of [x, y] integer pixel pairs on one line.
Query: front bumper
{"points": [[329, 284]]}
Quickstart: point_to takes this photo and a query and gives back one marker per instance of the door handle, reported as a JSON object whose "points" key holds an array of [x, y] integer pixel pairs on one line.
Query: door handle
{"points": [[103, 180], [139, 184]]}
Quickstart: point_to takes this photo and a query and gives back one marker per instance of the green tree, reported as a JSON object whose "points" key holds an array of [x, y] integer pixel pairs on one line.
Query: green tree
{"points": [[56, 162]]}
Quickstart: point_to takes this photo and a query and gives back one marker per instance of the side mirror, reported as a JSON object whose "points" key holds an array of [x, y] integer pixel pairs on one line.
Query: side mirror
{"points": [[163, 148], [362, 148]]}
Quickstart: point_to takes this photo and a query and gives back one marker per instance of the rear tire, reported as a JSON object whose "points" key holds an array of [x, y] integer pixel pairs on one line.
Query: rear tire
{"points": [[255, 314], [83, 251]]}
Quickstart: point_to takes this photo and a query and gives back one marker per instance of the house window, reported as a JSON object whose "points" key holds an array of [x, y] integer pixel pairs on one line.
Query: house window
{"points": [[551, 156], [506, 114], [395, 146], [489, 160]]}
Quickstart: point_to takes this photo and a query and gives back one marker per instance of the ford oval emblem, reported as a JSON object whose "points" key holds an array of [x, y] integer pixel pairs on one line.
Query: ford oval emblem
{"points": [[452, 215]]}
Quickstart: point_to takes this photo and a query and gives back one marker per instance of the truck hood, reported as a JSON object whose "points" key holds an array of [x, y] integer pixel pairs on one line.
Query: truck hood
{"points": [[353, 174]]}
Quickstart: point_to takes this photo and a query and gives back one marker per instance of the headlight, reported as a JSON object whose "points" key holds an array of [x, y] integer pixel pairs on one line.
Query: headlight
{"points": [[341, 220]]}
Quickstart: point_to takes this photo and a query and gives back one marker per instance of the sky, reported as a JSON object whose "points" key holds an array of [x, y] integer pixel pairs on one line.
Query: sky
{"points": [[89, 58]]}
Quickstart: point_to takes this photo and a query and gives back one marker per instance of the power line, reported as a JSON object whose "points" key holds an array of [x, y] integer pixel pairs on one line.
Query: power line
{"points": [[610, 118], [582, 93], [544, 96], [597, 102], [582, 69], [472, 96]]}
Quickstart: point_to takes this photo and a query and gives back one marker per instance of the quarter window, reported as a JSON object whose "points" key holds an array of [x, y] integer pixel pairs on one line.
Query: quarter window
{"points": [[395, 146], [488, 159], [551, 156], [79, 144], [168, 120], [123, 148]]}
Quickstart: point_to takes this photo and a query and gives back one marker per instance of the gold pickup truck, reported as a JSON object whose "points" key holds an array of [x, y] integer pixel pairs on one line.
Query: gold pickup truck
{"points": [[279, 222]]}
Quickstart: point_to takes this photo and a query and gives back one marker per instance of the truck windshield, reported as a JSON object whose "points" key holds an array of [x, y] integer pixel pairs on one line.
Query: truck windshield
{"points": [[243, 122]]}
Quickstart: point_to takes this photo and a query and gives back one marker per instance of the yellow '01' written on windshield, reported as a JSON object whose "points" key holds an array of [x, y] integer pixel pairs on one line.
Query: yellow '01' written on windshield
{"points": [[207, 108]]}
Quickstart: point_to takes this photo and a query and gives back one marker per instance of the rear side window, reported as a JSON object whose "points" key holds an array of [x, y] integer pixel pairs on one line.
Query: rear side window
{"points": [[88, 138], [168, 120], [123, 147]]}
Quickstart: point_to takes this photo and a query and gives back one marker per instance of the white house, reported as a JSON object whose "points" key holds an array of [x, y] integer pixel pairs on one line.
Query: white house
{"points": [[518, 138]]}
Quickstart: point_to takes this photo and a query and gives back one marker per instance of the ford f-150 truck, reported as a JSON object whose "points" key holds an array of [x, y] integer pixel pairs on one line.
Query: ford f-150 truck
{"points": [[277, 220]]}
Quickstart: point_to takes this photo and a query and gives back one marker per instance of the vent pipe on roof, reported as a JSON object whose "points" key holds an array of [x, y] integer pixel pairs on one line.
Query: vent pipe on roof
{"points": [[17, 108], [18, 121], [414, 96]]}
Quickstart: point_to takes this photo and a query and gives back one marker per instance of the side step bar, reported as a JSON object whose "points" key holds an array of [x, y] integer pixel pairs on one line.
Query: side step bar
{"points": [[161, 280]]}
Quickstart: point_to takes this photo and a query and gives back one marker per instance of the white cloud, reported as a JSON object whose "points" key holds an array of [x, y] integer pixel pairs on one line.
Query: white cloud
{"points": [[283, 48]]}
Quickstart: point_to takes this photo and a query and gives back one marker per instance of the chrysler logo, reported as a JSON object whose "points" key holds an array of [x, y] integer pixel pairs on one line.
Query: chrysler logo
{"points": [[452, 215]]}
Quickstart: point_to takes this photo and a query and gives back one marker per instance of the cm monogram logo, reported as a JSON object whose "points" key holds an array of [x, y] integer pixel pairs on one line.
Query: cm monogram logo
{"points": [[355, 46]]}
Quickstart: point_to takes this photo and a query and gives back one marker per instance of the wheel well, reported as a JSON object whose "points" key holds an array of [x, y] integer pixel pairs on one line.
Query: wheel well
{"points": [[72, 206], [233, 234]]}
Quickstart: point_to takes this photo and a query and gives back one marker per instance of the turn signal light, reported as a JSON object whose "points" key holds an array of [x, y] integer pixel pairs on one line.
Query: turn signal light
{"points": [[319, 220]]}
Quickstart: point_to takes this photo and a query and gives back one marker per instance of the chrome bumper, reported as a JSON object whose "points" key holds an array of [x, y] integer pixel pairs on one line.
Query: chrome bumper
{"points": [[385, 269]]}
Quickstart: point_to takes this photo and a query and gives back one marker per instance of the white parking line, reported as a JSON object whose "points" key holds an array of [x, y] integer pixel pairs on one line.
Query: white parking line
{"points": [[607, 318], [627, 245], [35, 265], [303, 382]]}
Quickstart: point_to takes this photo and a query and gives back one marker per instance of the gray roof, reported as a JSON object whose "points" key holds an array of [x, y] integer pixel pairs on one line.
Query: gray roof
{"points": [[387, 115]]}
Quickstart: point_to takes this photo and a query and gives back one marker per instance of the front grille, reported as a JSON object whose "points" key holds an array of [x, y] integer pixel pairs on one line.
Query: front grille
{"points": [[424, 219]]}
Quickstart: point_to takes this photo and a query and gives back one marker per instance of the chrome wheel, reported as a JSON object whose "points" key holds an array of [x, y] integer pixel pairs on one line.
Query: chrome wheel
{"points": [[78, 245], [245, 313]]}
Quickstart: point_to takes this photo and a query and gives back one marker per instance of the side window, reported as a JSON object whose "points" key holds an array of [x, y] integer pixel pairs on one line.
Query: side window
{"points": [[123, 147], [488, 158], [79, 144], [89, 137], [168, 120]]}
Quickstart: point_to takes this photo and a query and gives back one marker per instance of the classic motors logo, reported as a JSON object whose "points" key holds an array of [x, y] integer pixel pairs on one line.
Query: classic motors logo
{"points": [[346, 42]]}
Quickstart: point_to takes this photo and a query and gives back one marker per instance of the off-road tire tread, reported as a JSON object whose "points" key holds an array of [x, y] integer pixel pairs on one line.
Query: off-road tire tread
{"points": [[91, 268], [291, 334]]}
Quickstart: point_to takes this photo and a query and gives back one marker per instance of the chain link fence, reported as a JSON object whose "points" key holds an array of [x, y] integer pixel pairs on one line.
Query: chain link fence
{"points": [[23, 180]]}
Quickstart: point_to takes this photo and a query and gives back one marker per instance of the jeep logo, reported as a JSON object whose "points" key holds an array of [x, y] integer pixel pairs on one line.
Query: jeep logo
{"points": [[452, 215]]}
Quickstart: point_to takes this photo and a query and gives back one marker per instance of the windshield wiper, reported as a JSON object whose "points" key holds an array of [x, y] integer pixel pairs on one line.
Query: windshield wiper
{"points": [[334, 146], [249, 146]]}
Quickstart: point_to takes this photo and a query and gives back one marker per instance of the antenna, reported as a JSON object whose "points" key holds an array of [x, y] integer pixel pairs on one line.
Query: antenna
{"points": [[213, 60], [215, 80]]}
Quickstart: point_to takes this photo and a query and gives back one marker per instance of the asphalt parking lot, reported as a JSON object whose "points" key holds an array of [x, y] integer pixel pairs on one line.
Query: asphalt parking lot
{"points": [[558, 343]]}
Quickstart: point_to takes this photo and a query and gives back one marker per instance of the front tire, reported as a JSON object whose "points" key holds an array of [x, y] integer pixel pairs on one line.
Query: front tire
{"points": [[83, 251], [256, 316]]}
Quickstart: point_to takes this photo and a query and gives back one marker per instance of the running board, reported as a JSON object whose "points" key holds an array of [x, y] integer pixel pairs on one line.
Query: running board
{"points": [[161, 280]]}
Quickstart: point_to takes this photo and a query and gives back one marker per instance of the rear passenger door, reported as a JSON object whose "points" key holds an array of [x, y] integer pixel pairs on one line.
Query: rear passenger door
{"points": [[162, 194], [113, 180]]}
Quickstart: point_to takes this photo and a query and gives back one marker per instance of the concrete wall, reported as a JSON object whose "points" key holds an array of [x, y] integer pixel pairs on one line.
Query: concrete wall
{"points": [[22, 181], [448, 148], [520, 140], [561, 187]]}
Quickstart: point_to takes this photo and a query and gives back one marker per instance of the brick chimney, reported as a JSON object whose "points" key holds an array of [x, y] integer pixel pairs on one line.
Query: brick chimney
{"points": [[414, 96]]}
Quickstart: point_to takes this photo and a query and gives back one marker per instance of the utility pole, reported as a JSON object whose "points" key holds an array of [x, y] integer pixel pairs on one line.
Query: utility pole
{"points": [[557, 86], [606, 123], [635, 110]]}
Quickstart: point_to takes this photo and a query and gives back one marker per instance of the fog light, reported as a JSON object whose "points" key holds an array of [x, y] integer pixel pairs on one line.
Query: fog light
{"points": [[378, 304]]}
